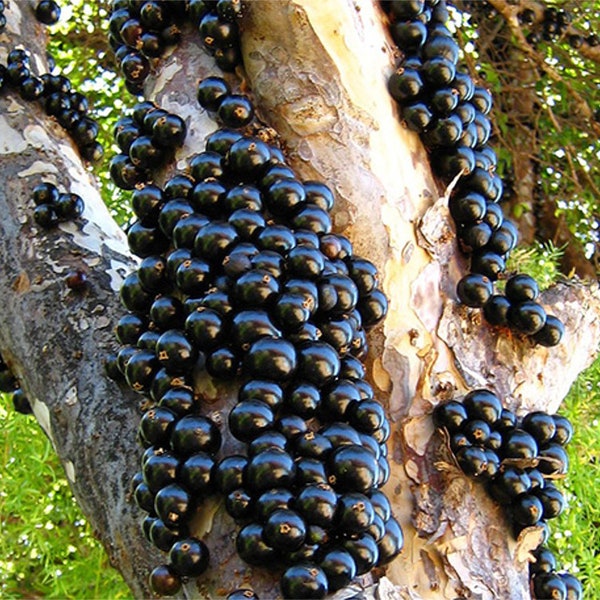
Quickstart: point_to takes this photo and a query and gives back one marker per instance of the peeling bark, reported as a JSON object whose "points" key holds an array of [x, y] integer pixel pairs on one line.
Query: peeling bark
{"points": [[318, 74]]}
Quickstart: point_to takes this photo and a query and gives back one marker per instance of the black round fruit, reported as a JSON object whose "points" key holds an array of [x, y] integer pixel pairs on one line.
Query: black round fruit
{"points": [[284, 530], [194, 433], [474, 290], [164, 581], [528, 317], [352, 468], [339, 567], [304, 581], [47, 12], [271, 358], [235, 111], [189, 557]]}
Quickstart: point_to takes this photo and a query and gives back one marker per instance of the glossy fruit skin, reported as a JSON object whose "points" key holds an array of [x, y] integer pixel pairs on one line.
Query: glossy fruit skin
{"points": [[160, 470], [45, 193], [284, 530], [545, 561], [270, 501], [339, 567], [474, 290], [317, 503], [164, 581], [450, 415], [483, 404], [123, 172], [248, 326], [473, 461], [192, 434], [510, 482], [564, 430], [392, 542], [45, 216], [495, 310], [527, 317], [526, 509], [169, 131], [189, 557], [247, 158], [166, 312], [271, 358], [488, 264], [540, 425], [196, 473], [318, 363], [175, 352], [249, 418], [140, 370], [173, 505], [549, 585], [355, 513], [269, 469], [47, 12], [304, 581], [21, 403], [235, 111], [155, 427], [558, 459], [238, 504], [230, 473], [251, 546], [551, 333], [519, 444], [222, 363], [520, 288], [352, 468], [573, 585], [221, 140], [205, 328], [552, 501], [211, 92]]}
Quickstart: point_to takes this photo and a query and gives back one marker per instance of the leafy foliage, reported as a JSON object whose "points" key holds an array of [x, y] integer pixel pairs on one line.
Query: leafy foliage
{"points": [[80, 38], [47, 548], [545, 94], [539, 260], [576, 535]]}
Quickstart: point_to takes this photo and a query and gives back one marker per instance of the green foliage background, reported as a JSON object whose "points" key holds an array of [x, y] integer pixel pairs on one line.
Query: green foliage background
{"points": [[47, 549]]}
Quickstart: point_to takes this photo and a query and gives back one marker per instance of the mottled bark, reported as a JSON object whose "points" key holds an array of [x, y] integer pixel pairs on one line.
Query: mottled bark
{"points": [[318, 74], [55, 339]]}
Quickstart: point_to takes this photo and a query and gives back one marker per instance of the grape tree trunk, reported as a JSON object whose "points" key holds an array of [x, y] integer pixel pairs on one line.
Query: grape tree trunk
{"points": [[317, 72]]}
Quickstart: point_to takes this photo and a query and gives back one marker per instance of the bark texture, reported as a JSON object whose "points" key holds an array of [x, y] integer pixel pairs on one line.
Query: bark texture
{"points": [[318, 73], [55, 339]]}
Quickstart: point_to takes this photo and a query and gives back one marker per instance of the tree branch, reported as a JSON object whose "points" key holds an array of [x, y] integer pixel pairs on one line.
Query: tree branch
{"points": [[318, 72]]}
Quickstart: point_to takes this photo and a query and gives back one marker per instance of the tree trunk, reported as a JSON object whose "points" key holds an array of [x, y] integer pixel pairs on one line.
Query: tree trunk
{"points": [[317, 71]]}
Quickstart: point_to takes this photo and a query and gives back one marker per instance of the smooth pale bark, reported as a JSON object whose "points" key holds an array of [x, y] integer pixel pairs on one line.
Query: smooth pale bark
{"points": [[318, 73]]}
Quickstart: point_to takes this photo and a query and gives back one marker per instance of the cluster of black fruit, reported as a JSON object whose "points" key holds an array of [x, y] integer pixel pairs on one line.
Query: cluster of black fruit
{"points": [[52, 207], [47, 12], [147, 139], [217, 22], [10, 385], [249, 282], [141, 31], [68, 107], [517, 459], [449, 112], [553, 25]]}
